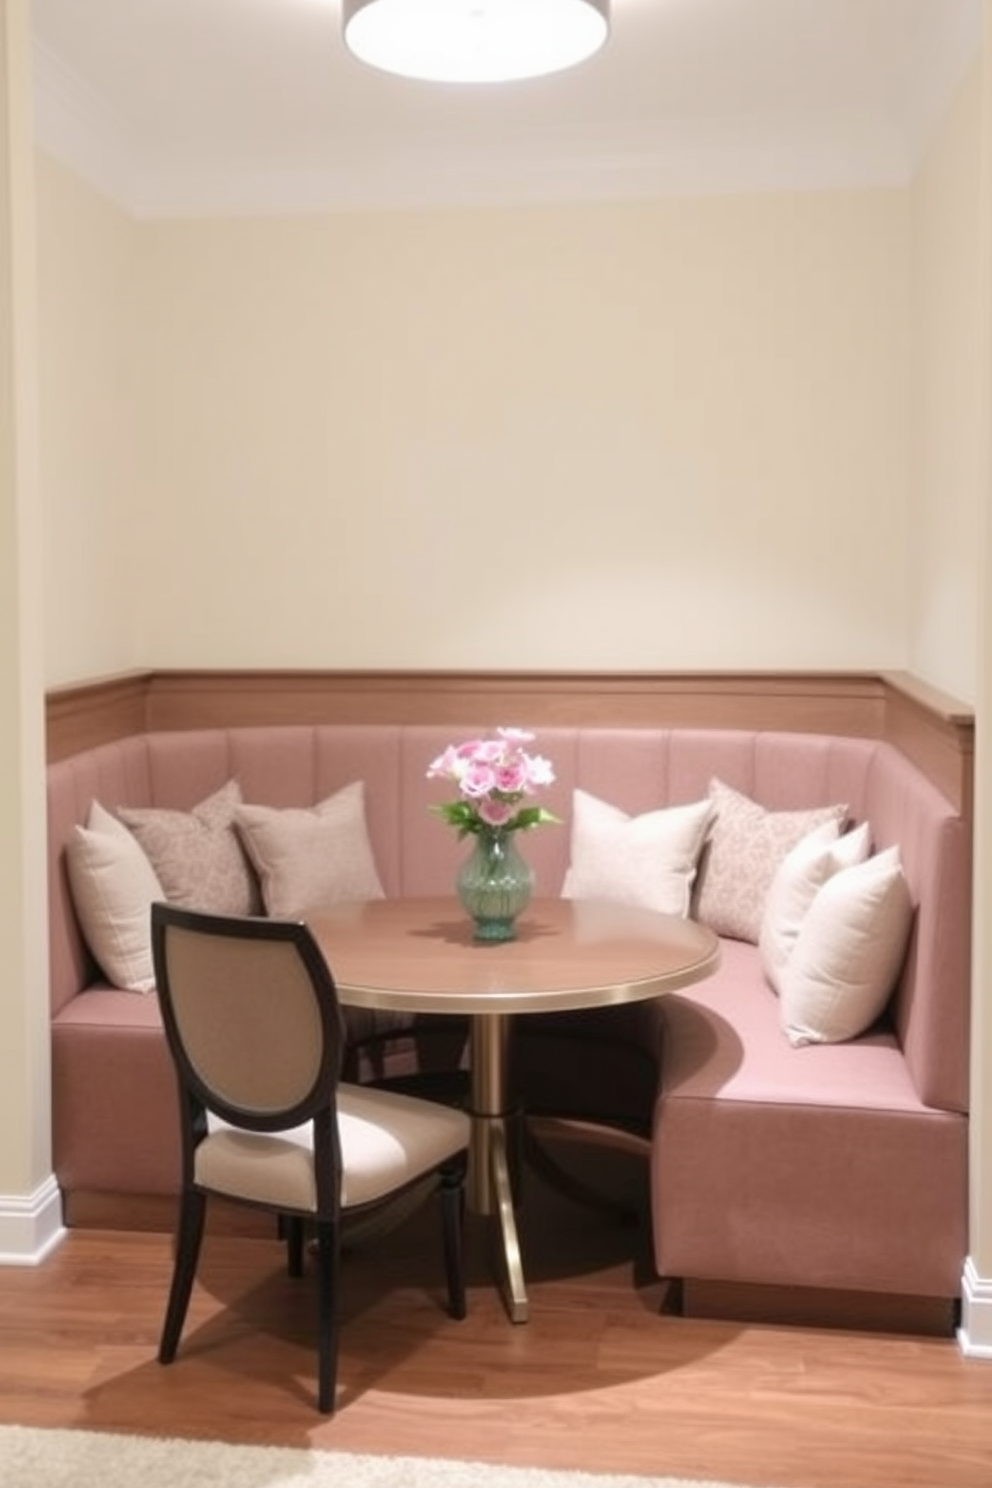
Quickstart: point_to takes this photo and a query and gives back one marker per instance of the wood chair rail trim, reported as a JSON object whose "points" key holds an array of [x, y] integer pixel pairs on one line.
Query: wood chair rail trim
{"points": [[933, 729]]}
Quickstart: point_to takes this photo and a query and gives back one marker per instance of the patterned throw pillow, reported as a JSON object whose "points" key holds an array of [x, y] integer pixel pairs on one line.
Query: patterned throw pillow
{"points": [[197, 854], [746, 845]]}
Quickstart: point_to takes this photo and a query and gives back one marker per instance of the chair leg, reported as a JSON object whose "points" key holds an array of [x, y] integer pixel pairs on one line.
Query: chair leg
{"points": [[292, 1229], [189, 1235], [453, 1224], [327, 1315]]}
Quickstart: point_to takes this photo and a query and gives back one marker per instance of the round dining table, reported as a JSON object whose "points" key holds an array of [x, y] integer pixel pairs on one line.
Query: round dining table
{"points": [[419, 955]]}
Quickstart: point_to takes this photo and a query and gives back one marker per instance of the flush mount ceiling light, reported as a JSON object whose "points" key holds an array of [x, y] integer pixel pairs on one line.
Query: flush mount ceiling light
{"points": [[474, 41]]}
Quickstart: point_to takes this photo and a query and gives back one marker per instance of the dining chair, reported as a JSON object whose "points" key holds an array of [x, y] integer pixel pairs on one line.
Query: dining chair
{"points": [[255, 1032]]}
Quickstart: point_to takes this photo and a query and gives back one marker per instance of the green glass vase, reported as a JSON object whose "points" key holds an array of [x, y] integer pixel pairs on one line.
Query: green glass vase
{"points": [[494, 884]]}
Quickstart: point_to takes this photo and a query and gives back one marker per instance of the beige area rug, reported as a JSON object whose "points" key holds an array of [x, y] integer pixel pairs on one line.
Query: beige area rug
{"points": [[37, 1458]]}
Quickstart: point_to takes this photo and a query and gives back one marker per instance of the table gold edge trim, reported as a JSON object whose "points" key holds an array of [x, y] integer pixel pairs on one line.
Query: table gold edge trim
{"points": [[549, 1001]]}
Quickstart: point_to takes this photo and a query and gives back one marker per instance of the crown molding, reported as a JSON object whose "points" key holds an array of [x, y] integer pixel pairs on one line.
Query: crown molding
{"points": [[939, 75], [76, 127], [724, 156], [684, 156]]}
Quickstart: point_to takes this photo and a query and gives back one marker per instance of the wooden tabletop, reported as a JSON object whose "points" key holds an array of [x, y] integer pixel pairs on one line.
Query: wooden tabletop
{"points": [[419, 955]]}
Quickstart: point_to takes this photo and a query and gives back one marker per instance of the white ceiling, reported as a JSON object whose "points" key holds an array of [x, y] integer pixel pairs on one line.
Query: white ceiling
{"points": [[178, 107]]}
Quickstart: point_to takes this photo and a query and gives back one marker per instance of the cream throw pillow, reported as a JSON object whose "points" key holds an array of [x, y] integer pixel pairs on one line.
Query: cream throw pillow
{"points": [[113, 888], [800, 875], [308, 857], [647, 860], [746, 845], [197, 854], [848, 952]]}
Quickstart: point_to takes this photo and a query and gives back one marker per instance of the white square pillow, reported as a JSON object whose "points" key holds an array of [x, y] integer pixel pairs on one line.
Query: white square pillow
{"points": [[307, 857], [801, 874], [113, 888], [746, 845], [647, 860], [848, 952], [197, 854]]}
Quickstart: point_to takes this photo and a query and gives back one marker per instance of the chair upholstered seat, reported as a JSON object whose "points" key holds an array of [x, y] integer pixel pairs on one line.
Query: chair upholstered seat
{"points": [[387, 1142]]}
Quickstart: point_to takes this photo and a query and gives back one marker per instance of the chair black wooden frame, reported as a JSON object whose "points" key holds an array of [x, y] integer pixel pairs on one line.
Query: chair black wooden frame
{"points": [[184, 981]]}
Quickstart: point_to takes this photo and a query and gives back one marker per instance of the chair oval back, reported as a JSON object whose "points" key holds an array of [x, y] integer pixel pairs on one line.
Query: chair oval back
{"points": [[251, 1014]]}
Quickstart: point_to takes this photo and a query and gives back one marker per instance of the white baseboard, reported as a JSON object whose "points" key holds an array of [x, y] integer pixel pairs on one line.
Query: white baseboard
{"points": [[30, 1225], [975, 1332]]}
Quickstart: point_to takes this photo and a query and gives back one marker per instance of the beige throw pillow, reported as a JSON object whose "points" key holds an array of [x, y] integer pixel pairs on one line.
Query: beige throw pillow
{"points": [[647, 860], [848, 953], [746, 845], [113, 888], [800, 876], [308, 857], [197, 854]]}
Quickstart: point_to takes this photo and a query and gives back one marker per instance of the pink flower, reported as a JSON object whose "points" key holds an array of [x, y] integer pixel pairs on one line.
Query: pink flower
{"points": [[511, 776], [539, 770], [445, 764], [478, 780], [494, 812]]}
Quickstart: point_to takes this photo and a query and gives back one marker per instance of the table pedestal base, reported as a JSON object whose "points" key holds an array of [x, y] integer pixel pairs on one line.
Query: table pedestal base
{"points": [[490, 1183], [504, 1220]]}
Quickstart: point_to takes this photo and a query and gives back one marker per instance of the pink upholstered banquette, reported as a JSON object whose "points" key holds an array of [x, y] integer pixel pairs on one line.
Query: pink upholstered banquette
{"points": [[832, 1167]]}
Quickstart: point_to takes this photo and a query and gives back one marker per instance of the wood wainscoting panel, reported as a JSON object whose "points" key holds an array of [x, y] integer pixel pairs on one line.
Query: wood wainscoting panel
{"points": [[935, 731], [841, 702], [85, 714]]}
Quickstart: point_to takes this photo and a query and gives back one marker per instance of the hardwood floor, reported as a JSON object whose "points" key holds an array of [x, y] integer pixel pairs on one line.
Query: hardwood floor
{"points": [[600, 1379]]}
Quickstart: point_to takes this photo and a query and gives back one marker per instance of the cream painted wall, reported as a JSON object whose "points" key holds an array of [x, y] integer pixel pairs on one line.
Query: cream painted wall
{"points": [[95, 538], [946, 494], [670, 434]]}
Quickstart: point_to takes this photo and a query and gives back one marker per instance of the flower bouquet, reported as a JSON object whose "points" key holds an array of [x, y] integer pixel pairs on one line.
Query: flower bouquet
{"points": [[494, 777]]}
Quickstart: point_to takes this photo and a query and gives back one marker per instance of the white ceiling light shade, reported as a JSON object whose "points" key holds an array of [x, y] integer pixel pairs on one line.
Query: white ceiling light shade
{"points": [[474, 41]]}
